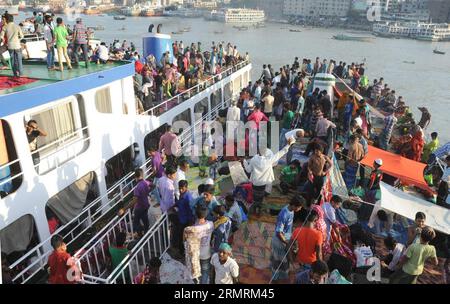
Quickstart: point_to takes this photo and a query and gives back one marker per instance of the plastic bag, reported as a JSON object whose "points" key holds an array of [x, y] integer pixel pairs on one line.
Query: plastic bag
{"points": [[364, 256]]}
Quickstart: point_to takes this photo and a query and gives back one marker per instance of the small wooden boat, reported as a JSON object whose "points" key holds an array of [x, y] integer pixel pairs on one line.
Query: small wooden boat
{"points": [[409, 62], [438, 52], [295, 30]]}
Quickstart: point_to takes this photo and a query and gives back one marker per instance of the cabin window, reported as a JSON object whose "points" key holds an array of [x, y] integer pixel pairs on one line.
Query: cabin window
{"points": [[10, 171], [202, 107], [151, 140], [237, 85], [103, 100], [245, 79], [184, 116], [122, 164], [58, 134], [69, 202], [17, 239], [228, 92], [216, 98]]}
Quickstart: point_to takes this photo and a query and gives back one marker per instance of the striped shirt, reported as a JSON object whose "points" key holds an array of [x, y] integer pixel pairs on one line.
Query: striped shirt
{"points": [[390, 122], [80, 33]]}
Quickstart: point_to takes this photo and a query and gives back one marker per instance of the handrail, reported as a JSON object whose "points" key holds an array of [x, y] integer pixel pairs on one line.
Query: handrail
{"points": [[139, 248], [85, 212], [58, 149], [196, 87], [60, 139], [9, 179], [99, 239]]}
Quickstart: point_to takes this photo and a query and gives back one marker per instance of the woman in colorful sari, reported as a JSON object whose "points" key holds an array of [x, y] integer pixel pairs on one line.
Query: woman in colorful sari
{"points": [[279, 259], [321, 226]]}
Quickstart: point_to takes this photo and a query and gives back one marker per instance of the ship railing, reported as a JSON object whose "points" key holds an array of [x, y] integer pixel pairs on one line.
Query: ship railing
{"points": [[154, 243], [93, 256], [72, 144], [187, 94], [62, 144], [36, 258], [188, 135], [7, 166]]}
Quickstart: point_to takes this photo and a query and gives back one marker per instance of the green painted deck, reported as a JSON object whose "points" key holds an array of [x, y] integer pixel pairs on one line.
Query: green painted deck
{"points": [[40, 72]]}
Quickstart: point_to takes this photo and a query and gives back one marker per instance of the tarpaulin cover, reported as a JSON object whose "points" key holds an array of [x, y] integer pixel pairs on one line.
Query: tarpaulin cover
{"points": [[408, 205], [7, 82], [408, 171]]}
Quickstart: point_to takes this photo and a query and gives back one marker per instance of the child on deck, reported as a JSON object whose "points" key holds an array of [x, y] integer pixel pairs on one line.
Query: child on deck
{"points": [[62, 267], [233, 212], [225, 268], [289, 175], [118, 251], [150, 275], [415, 230], [414, 259], [222, 227], [203, 163], [390, 262]]}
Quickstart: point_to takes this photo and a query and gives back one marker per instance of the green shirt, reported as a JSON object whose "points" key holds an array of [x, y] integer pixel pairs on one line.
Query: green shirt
{"points": [[430, 148], [61, 36], [287, 120], [117, 255], [417, 255], [288, 174]]}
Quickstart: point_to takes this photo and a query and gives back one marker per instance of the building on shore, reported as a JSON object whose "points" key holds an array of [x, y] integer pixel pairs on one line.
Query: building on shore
{"points": [[317, 8]]}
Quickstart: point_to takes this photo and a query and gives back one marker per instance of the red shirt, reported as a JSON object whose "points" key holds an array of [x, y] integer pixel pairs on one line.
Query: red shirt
{"points": [[57, 261], [257, 117], [308, 239]]}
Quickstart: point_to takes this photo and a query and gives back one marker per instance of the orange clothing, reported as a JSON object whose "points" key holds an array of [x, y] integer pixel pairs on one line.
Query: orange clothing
{"points": [[308, 239], [59, 268]]}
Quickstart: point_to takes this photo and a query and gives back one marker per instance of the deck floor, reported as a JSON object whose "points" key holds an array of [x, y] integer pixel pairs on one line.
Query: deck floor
{"points": [[40, 72]]}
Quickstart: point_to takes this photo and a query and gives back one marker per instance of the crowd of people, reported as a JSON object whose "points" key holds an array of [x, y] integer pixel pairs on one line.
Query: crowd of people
{"points": [[312, 233], [64, 43], [160, 79]]}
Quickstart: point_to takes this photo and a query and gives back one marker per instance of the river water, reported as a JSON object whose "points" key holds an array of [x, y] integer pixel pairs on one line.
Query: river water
{"points": [[424, 83]]}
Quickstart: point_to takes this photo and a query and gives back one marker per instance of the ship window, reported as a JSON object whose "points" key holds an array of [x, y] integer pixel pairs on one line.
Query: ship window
{"points": [[228, 92], [151, 140], [69, 202], [237, 85], [202, 107], [10, 171], [121, 164], [185, 116], [18, 238], [103, 100], [216, 98], [62, 134]]}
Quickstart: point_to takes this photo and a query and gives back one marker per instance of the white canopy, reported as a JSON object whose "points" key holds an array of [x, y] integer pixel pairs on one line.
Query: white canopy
{"points": [[408, 205]]}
